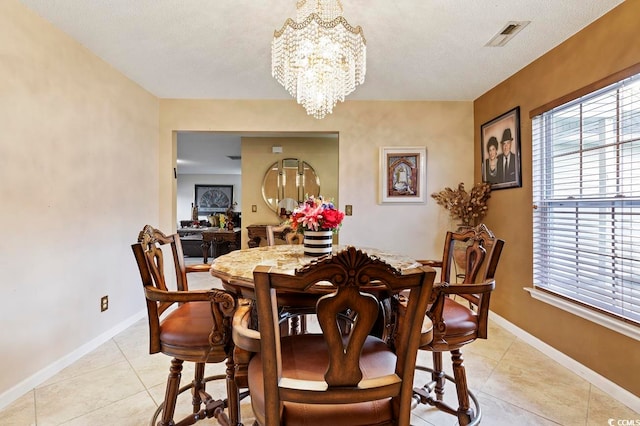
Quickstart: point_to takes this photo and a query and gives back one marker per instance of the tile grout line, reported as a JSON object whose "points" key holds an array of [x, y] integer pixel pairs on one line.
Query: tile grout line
{"points": [[35, 408], [147, 390]]}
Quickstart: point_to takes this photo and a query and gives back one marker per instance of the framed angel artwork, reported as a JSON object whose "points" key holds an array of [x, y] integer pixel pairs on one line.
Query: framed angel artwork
{"points": [[403, 174]]}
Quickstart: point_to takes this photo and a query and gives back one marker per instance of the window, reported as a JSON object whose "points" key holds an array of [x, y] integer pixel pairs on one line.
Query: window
{"points": [[586, 189]]}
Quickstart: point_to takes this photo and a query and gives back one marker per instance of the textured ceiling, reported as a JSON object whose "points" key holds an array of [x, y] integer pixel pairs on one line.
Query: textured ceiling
{"points": [[416, 49]]}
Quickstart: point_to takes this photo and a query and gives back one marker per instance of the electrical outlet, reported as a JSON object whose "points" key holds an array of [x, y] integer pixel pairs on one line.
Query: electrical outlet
{"points": [[104, 303], [348, 210]]}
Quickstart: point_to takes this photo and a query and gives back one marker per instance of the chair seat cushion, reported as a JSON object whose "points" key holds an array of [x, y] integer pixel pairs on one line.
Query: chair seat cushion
{"points": [[426, 333], [460, 327], [306, 357], [188, 328], [460, 320]]}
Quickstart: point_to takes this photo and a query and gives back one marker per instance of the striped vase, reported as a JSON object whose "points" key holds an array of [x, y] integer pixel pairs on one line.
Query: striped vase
{"points": [[317, 243]]}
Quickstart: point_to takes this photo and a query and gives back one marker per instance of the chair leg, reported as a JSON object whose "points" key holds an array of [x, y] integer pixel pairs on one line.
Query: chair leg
{"points": [[465, 413], [198, 387], [171, 394], [294, 325], [424, 395], [284, 327], [303, 324], [233, 399], [298, 324], [438, 376]]}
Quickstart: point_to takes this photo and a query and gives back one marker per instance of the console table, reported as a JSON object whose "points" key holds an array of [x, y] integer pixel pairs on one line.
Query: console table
{"points": [[221, 240], [224, 241]]}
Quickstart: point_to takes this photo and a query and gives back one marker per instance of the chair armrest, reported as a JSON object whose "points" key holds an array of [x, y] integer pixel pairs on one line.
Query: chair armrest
{"points": [[203, 267], [446, 288], [471, 292], [432, 263], [157, 295], [243, 336], [478, 295]]}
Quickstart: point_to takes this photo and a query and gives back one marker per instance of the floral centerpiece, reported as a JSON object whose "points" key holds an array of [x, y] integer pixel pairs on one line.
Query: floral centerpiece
{"points": [[468, 207], [316, 214], [318, 220]]}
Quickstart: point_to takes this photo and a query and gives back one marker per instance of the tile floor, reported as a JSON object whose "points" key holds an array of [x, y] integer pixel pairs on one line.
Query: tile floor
{"points": [[119, 383]]}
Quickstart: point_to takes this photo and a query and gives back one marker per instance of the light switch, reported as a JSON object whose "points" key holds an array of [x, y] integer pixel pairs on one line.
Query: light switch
{"points": [[254, 208], [348, 210]]}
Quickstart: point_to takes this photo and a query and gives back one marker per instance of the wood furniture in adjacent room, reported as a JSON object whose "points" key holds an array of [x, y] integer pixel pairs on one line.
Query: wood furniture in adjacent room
{"points": [[221, 240], [191, 239], [209, 241]]}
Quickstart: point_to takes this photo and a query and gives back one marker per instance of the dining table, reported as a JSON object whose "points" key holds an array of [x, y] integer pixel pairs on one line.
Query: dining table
{"points": [[235, 269]]}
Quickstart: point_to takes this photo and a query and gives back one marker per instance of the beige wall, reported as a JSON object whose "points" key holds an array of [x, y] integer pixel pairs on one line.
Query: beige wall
{"points": [[78, 180], [257, 158], [444, 128], [608, 45]]}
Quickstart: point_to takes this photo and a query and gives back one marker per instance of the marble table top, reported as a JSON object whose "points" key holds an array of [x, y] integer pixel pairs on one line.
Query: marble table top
{"points": [[236, 268]]}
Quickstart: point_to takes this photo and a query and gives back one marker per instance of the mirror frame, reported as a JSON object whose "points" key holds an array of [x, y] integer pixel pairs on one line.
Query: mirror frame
{"points": [[301, 190]]}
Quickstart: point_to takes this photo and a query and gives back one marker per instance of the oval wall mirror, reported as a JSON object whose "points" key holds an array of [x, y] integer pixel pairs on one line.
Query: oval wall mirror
{"points": [[287, 182]]}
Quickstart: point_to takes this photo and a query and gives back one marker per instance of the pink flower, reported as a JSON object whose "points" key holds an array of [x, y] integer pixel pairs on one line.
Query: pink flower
{"points": [[315, 214]]}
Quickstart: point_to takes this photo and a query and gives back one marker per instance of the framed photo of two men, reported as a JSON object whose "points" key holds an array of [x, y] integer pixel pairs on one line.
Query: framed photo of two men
{"points": [[500, 145]]}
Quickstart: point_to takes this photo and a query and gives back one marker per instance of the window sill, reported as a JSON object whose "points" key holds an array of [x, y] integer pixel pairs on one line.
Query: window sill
{"points": [[596, 317]]}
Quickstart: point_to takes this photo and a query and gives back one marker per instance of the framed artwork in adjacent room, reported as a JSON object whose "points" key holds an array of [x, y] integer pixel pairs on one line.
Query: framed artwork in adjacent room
{"points": [[500, 147], [213, 198], [403, 174]]}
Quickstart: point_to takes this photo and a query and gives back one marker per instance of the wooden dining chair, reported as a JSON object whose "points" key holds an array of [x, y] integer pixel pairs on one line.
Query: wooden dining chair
{"points": [[459, 322], [330, 378], [195, 327], [285, 232], [293, 313]]}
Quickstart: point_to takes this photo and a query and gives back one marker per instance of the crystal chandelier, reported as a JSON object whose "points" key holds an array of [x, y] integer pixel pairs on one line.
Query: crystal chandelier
{"points": [[319, 59]]}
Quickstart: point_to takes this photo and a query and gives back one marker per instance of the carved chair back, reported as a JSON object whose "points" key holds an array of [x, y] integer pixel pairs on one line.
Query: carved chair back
{"points": [[286, 233], [359, 282]]}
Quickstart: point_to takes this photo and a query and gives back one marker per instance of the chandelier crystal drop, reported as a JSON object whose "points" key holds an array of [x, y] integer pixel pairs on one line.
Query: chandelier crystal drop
{"points": [[320, 58]]}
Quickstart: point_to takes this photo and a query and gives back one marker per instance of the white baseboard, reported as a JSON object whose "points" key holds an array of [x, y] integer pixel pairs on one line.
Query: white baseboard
{"points": [[51, 370], [606, 385]]}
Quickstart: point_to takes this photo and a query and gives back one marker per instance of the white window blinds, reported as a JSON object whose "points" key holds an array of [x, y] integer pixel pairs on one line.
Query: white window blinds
{"points": [[586, 189]]}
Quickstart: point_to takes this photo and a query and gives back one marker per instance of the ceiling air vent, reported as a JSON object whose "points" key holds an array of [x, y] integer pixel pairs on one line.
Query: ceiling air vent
{"points": [[507, 33], [233, 157]]}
